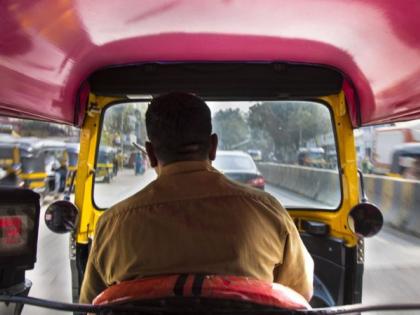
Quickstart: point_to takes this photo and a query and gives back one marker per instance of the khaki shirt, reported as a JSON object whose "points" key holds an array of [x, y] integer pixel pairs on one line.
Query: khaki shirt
{"points": [[192, 219]]}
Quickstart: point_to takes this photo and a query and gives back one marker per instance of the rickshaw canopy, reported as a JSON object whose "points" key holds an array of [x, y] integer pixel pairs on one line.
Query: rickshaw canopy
{"points": [[49, 49]]}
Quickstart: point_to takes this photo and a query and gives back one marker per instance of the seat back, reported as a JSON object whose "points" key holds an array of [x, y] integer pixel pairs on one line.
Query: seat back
{"points": [[207, 287]]}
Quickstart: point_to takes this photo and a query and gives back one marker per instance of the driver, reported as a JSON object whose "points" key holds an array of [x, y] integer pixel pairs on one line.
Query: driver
{"points": [[192, 219]]}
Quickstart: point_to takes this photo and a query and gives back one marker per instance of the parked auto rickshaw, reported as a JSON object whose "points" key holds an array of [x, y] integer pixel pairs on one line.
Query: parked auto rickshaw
{"points": [[72, 150], [104, 166], [10, 166], [73, 62], [34, 164]]}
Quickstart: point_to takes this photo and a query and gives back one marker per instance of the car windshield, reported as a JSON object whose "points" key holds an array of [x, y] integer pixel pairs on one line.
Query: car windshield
{"points": [[234, 162], [260, 144]]}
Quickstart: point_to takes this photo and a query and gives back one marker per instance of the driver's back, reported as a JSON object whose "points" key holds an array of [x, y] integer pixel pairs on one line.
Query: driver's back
{"points": [[192, 219]]}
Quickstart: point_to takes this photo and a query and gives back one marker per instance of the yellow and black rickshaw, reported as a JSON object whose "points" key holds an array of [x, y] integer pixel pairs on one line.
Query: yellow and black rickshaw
{"points": [[73, 151], [298, 73], [33, 163], [104, 170], [10, 166]]}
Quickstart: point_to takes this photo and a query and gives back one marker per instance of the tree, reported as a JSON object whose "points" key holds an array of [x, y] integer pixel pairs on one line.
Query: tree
{"points": [[289, 124], [231, 128], [260, 140]]}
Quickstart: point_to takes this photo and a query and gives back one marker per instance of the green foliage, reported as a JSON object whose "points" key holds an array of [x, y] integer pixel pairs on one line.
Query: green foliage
{"points": [[231, 127], [289, 124], [278, 128], [260, 140]]}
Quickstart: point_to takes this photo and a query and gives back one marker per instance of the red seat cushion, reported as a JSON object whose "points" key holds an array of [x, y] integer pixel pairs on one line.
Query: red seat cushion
{"points": [[209, 286]]}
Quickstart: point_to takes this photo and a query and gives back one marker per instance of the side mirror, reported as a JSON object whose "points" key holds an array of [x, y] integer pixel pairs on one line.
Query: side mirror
{"points": [[60, 216], [366, 219]]}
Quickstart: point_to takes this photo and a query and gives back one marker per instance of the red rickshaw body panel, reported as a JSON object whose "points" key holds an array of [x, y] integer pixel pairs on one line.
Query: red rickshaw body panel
{"points": [[49, 48]]}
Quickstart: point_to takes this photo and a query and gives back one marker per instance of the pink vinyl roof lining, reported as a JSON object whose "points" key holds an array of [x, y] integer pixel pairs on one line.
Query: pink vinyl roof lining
{"points": [[48, 49]]}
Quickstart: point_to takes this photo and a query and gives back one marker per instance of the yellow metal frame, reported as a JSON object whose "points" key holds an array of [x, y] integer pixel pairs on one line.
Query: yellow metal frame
{"points": [[89, 138], [337, 220], [6, 162], [34, 180], [32, 176], [38, 184]]}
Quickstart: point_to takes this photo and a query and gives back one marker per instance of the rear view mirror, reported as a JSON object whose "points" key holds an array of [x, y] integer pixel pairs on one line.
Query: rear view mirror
{"points": [[366, 219], [60, 216]]}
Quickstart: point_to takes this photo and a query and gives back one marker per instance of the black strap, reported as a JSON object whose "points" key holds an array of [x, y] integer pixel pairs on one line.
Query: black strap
{"points": [[179, 284], [198, 284]]}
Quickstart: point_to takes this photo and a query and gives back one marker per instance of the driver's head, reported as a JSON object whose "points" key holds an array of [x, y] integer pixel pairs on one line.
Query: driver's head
{"points": [[179, 129]]}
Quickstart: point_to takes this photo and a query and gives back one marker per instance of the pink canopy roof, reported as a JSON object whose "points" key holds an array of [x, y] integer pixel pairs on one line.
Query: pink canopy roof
{"points": [[48, 48]]}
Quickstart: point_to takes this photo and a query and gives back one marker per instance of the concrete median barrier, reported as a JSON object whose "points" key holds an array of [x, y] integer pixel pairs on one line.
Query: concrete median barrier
{"points": [[317, 184], [399, 199]]}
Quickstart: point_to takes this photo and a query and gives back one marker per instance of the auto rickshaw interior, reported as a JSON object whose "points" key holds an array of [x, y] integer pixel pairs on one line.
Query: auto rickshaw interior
{"points": [[327, 232], [357, 62], [330, 225]]}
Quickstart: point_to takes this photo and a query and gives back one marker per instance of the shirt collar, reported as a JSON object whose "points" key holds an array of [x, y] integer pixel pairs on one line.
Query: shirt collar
{"points": [[185, 167]]}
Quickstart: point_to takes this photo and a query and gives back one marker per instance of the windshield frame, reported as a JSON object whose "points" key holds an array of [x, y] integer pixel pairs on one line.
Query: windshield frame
{"points": [[223, 99]]}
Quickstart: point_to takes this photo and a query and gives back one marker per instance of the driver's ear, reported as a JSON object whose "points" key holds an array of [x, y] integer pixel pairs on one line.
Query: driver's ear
{"points": [[151, 154], [213, 146]]}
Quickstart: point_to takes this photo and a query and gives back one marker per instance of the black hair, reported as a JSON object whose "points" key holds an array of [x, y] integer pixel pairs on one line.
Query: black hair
{"points": [[179, 127]]}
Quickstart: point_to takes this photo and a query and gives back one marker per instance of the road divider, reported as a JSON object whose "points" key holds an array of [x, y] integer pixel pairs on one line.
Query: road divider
{"points": [[398, 199], [317, 184]]}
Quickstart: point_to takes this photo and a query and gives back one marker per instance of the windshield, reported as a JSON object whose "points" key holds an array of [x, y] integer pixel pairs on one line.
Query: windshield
{"points": [[261, 139]]}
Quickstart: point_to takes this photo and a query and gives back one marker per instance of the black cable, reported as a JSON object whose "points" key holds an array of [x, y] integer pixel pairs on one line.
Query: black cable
{"points": [[347, 309], [83, 308], [86, 308]]}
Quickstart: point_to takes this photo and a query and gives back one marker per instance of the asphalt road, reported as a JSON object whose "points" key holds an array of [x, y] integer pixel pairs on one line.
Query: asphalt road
{"points": [[126, 184], [51, 277], [290, 199], [392, 267]]}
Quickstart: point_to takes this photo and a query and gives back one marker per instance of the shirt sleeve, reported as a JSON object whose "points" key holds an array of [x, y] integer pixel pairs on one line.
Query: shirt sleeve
{"points": [[296, 270], [93, 283]]}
